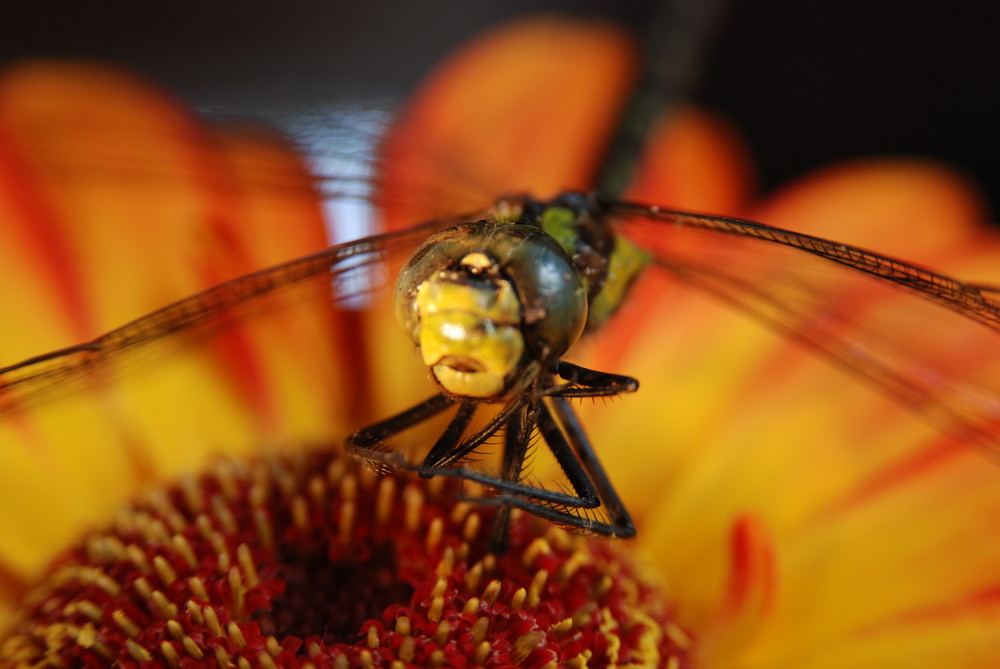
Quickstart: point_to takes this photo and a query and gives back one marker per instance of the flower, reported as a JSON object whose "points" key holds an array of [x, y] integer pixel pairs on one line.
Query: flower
{"points": [[288, 562], [797, 519]]}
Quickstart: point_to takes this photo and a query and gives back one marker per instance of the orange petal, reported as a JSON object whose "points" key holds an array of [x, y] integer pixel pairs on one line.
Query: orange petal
{"points": [[693, 161], [117, 201], [912, 569], [905, 207], [528, 107], [106, 176]]}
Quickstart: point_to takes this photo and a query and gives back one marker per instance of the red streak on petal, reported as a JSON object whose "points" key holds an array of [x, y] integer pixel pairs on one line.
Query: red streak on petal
{"points": [[235, 353], [750, 591], [240, 360], [904, 473], [979, 604], [349, 336], [752, 572], [39, 237]]}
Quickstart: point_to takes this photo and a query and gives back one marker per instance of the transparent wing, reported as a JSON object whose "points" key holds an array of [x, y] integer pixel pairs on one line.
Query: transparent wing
{"points": [[138, 200], [336, 274], [917, 334]]}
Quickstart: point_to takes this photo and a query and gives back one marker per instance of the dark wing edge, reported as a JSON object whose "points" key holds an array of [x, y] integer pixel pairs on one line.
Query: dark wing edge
{"points": [[979, 302]]}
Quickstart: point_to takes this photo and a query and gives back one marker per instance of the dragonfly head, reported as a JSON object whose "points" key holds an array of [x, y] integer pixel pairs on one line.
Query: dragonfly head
{"points": [[482, 300], [470, 333]]}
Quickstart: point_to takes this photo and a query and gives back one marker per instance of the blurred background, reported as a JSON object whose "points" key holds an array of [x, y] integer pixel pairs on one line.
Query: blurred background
{"points": [[806, 82]]}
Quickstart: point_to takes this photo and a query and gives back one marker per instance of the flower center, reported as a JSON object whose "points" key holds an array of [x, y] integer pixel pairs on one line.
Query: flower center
{"points": [[326, 599], [309, 561]]}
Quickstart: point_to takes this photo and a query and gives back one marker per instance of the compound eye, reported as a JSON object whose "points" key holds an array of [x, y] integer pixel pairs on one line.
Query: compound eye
{"points": [[435, 255], [553, 295]]}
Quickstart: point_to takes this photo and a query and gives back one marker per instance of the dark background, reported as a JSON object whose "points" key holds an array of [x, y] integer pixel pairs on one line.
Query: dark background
{"points": [[807, 82]]}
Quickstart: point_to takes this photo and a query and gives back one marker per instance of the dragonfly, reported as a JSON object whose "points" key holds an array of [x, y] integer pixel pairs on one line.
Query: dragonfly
{"points": [[495, 300]]}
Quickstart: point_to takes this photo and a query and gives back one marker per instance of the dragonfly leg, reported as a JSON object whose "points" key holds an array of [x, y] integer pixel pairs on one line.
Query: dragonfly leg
{"points": [[448, 439], [585, 382], [584, 494], [561, 431], [582, 467], [573, 452], [368, 443], [450, 455], [621, 521], [518, 435]]}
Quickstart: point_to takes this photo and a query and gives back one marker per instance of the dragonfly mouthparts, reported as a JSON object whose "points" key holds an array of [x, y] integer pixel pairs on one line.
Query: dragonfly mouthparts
{"points": [[461, 363]]}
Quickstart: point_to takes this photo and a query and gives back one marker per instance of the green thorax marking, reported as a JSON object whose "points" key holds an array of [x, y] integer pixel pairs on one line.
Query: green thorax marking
{"points": [[607, 272]]}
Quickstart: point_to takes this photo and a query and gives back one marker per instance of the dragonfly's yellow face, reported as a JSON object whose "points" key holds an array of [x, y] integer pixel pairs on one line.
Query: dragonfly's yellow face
{"points": [[470, 333], [481, 300]]}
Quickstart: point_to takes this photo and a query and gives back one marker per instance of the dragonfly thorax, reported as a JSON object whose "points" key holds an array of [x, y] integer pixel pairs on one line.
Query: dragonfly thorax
{"points": [[483, 300]]}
